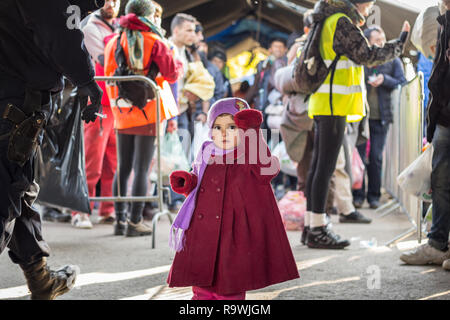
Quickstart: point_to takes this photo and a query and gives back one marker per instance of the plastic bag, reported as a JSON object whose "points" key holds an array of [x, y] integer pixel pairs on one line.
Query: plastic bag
{"points": [[357, 170], [292, 208], [60, 168], [172, 155], [201, 134], [288, 166], [416, 178]]}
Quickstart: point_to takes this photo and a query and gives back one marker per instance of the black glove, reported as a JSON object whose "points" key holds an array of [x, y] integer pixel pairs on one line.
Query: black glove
{"points": [[92, 91]]}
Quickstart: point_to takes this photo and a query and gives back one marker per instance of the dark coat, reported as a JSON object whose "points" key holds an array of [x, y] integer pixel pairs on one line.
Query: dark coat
{"points": [[439, 104], [236, 240], [37, 48], [394, 76]]}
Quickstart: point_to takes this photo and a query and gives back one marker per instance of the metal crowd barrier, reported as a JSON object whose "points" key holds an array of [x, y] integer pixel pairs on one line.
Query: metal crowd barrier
{"points": [[159, 183], [403, 146]]}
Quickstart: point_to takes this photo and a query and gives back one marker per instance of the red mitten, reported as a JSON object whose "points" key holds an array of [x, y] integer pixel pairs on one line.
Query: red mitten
{"points": [[183, 182], [248, 118]]}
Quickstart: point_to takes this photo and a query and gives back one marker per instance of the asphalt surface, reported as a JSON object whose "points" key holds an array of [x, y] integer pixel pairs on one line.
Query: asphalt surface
{"points": [[119, 268]]}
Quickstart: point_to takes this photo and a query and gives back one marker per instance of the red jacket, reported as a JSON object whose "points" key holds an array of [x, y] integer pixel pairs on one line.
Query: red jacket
{"points": [[236, 240]]}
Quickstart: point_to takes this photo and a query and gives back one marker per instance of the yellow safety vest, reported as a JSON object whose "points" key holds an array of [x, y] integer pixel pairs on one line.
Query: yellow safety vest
{"points": [[349, 93]]}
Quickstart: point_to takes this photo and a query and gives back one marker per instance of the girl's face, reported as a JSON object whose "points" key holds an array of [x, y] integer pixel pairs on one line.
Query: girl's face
{"points": [[225, 133]]}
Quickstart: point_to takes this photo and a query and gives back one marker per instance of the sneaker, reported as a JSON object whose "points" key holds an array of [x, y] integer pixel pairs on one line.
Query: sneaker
{"points": [[446, 264], [374, 204], [358, 204], [81, 221], [138, 229], [304, 235], [354, 217], [325, 238], [425, 254], [119, 228]]}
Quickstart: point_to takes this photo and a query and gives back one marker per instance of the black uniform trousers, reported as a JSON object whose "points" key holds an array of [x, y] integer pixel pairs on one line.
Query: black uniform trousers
{"points": [[20, 223]]}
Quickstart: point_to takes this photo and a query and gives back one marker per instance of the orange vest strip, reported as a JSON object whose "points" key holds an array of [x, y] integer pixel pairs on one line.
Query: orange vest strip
{"points": [[128, 116]]}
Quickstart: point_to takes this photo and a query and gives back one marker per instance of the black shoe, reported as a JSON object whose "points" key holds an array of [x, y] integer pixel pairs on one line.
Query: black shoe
{"points": [[374, 204], [354, 217], [325, 238], [332, 211], [54, 215], [119, 228], [358, 203], [304, 235]]}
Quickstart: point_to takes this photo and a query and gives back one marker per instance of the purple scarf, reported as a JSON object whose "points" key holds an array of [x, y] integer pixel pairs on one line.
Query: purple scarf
{"points": [[183, 219]]}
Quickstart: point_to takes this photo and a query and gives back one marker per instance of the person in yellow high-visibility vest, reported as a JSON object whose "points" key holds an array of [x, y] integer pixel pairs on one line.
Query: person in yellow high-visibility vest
{"points": [[340, 99]]}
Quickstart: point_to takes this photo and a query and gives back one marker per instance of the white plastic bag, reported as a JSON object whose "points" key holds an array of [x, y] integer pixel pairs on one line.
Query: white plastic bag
{"points": [[172, 155], [288, 166], [416, 178], [201, 134]]}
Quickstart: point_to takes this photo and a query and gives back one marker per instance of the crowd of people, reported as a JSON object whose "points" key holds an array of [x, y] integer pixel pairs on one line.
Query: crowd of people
{"points": [[350, 112]]}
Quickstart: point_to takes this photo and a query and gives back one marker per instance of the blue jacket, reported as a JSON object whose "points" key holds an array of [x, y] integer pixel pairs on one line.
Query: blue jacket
{"points": [[394, 75]]}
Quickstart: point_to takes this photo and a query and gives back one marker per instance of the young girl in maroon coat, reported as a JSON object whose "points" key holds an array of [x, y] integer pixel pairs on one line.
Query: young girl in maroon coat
{"points": [[229, 236]]}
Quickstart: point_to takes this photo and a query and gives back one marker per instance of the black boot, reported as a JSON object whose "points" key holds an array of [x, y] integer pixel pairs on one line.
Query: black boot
{"points": [[46, 284], [120, 224], [325, 238], [304, 235]]}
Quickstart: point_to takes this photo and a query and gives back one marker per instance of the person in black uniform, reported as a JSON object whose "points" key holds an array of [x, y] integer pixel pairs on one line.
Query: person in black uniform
{"points": [[37, 48]]}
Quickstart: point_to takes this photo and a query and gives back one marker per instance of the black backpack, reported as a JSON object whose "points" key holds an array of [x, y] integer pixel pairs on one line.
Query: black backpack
{"points": [[310, 69], [135, 92]]}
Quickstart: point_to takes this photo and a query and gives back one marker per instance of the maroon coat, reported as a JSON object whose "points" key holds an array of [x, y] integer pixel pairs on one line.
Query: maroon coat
{"points": [[236, 240]]}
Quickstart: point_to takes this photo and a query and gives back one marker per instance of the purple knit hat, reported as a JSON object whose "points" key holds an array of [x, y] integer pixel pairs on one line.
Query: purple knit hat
{"points": [[226, 105]]}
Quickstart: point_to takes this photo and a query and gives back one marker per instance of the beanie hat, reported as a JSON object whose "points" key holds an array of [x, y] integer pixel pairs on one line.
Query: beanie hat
{"points": [[226, 105], [141, 8]]}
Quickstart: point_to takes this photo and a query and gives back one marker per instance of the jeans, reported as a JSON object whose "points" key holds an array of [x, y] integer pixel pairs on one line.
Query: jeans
{"points": [[378, 134], [440, 184]]}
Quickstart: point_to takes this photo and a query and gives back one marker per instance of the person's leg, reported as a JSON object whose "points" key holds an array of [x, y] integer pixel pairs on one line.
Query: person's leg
{"points": [[330, 135], [125, 143], [21, 229], [360, 195], [440, 184], [378, 134], [108, 169], [436, 250], [143, 155], [202, 294], [343, 194], [304, 164], [95, 141]]}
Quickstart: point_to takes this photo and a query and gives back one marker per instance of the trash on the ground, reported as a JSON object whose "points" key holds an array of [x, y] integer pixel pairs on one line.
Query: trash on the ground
{"points": [[365, 244], [292, 208]]}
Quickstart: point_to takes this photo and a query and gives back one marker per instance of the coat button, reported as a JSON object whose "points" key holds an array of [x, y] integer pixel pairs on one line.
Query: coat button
{"points": [[202, 189], [217, 217], [200, 216], [218, 189]]}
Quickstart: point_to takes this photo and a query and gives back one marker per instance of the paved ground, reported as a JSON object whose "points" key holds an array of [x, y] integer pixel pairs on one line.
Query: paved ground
{"points": [[127, 268]]}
